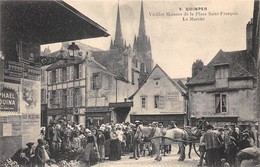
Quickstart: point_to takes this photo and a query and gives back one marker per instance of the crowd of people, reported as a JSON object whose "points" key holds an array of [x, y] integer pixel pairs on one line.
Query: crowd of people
{"points": [[66, 140], [221, 146]]}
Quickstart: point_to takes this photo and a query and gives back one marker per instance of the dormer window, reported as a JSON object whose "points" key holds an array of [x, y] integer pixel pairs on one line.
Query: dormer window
{"points": [[221, 75]]}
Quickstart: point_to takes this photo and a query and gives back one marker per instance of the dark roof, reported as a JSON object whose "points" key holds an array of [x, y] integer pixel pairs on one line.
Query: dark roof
{"points": [[64, 63], [50, 58], [113, 61], [49, 21], [57, 55], [241, 65]]}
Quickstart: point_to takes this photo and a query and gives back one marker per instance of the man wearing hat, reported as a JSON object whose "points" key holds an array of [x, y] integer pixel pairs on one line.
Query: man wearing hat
{"points": [[29, 154], [41, 155], [212, 145]]}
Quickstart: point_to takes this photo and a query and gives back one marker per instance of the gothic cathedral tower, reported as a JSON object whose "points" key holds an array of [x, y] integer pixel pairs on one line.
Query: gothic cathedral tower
{"points": [[142, 49], [119, 41]]}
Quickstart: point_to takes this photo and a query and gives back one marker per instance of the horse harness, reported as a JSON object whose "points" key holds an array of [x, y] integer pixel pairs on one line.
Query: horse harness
{"points": [[151, 133]]}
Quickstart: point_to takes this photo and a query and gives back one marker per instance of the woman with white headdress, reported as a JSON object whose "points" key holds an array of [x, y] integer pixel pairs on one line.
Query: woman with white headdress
{"points": [[91, 154]]}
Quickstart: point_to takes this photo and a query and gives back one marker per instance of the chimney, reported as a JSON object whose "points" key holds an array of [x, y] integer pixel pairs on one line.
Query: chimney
{"points": [[249, 36], [197, 67]]}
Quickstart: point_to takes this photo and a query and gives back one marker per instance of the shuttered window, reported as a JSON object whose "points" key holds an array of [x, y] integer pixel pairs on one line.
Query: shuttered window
{"points": [[159, 102], [57, 75], [68, 97], [96, 81], [72, 73], [68, 73], [80, 70]]}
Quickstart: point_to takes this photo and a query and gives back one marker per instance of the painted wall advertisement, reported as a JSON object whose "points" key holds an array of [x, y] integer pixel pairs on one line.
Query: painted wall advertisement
{"points": [[9, 98], [13, 72], [30, 96]]}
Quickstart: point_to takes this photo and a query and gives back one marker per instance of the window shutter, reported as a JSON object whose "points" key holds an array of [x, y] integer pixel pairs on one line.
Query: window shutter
{"points": [[61, 75], [68, 73], [91, 82], [50, 77], [99, 81], [71, 97], [68, 97], [80, 71], [57, 75], [72, 73], [50, 101], [79, 98]]}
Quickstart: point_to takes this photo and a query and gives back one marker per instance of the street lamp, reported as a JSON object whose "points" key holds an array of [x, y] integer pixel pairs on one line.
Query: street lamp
{"points": [[73, 48]]}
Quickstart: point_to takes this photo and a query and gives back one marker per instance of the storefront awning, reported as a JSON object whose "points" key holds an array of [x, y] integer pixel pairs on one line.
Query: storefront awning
{"points": [[121, 104], [48, 21]]}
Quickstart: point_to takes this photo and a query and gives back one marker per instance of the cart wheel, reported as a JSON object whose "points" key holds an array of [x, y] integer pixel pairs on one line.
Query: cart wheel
{"points": [[196, 148]]}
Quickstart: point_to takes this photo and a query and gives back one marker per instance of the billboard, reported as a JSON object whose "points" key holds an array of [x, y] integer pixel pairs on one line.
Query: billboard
{"points": [[9, 98]]}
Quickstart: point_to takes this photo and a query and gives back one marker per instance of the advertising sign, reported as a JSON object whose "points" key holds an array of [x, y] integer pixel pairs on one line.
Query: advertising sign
{"points": [[13, 72], [32, 73], [30, 96], [9, 98]]}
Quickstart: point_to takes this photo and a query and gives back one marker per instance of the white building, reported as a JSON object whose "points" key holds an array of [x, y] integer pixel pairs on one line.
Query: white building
{"points": [[161, 99]]}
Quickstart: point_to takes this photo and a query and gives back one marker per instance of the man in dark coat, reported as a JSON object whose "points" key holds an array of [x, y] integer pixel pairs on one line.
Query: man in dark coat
{"points": [[212, 145], [29, 154], [40, 153]]}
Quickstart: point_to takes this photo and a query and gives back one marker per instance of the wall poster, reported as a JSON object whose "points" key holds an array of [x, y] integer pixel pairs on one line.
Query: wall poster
{"points": [[30, 96], [9, 98]]}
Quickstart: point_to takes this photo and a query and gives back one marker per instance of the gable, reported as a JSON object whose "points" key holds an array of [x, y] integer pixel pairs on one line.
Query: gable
{"points": [[241, 64], [164, 82]]}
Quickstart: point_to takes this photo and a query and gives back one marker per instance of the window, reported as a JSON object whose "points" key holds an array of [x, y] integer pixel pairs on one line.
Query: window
{"points": [[61, 72], [80, 70], [77, 97], [76, 71], [222, 73], [64, 74], [53, 76], [64, 98], [72, 73], [157, 81], [96, 81], [68, 97], [57, 75], [43, 95], [143, 100], [60, 98], [68, 73], [221, 103], [159, 102], [71, 97], [42, 75], [53, 99]]}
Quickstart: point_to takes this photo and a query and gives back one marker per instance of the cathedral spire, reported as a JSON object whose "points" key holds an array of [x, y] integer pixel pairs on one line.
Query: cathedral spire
{"points": [[111, 44], [142, 32], [119, 42]]}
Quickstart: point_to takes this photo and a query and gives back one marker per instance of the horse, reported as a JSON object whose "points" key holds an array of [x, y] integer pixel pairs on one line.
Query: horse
{"points": [[160, 136]]}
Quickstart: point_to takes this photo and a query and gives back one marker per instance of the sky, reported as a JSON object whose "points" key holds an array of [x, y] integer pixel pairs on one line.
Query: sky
{"points": [[177, 39]]}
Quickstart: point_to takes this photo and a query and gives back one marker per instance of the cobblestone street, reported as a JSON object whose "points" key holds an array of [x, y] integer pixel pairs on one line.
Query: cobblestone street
{"points": [[167, 161]]}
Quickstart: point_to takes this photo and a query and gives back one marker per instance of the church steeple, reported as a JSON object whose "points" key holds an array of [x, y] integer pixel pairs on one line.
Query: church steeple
{"points": [[142, 44], [111, 44], [142, 32], [118, 42]]}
